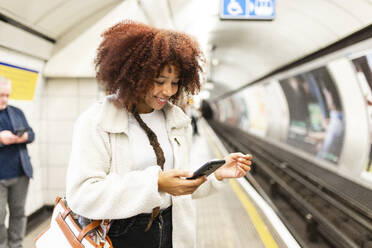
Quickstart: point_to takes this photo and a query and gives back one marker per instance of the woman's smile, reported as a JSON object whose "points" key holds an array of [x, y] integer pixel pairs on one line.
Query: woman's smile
{"points": [[165, 86]]}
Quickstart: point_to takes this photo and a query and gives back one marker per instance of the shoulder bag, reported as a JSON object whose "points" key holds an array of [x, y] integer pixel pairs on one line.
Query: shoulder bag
{"points": [[64, 231]]}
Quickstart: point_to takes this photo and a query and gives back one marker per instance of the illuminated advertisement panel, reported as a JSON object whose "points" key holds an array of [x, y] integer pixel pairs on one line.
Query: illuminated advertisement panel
{"points": [[230, 111], [316, 115], [224, 110], [277, 111], [258, 121], [363, 68], [241, 108]]}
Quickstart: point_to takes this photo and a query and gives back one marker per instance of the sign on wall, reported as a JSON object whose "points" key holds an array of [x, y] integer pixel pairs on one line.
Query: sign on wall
{"points": [[248, 9], [23, 81]]}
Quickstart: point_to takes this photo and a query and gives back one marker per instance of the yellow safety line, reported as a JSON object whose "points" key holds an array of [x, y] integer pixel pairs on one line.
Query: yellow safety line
{"points": [[258, 223], [260, 226]]}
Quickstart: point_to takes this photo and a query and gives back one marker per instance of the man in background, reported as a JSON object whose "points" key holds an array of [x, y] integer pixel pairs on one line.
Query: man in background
{"points": [[15, 168]]}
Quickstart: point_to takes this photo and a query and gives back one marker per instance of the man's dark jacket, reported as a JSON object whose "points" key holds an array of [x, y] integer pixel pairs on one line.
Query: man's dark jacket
{"points": [[19, 122]]}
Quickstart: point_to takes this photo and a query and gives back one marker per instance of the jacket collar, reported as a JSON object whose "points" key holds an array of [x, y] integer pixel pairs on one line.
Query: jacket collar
{"points": [[113, 119]]}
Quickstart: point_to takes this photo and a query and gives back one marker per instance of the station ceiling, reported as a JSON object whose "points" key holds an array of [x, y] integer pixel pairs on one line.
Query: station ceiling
{"points": [[241, 51]]}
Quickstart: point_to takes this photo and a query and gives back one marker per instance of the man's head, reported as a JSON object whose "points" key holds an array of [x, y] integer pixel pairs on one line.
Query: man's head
{"points": [[5, 89]]}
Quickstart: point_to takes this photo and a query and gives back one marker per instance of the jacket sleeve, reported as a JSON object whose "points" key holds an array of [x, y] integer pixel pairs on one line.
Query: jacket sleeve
{"points": [[30, 132], [94, 189]]}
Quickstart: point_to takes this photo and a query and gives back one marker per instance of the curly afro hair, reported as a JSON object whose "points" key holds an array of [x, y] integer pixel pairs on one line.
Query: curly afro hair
{"points": [[132, 54]]}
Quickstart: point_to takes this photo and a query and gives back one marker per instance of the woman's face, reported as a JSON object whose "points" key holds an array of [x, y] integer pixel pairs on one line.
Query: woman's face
{"points": [[165, 86]]}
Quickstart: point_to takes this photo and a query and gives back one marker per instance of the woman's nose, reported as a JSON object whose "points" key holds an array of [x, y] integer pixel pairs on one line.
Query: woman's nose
{"points": [[167, 90]]}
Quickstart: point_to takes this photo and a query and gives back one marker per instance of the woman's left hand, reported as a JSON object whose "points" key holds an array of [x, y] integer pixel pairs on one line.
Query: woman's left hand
{"points": [[237, 165]]}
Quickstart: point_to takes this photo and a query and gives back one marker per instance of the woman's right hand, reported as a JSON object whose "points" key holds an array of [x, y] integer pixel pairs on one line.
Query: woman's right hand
{"points": [[175, 183]]}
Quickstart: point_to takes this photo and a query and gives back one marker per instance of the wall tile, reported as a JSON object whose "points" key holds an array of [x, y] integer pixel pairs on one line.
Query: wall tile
{"points": [[44, 178], [33, 202], [57, 178], [60, 132], [87, 87], [59, 155], [61, 87], [85, 103], [62, 108], [42, 135]]}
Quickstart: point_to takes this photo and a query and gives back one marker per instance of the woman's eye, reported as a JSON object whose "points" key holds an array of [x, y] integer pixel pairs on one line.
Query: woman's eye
{"points": [[159, 83], [175, 83]]}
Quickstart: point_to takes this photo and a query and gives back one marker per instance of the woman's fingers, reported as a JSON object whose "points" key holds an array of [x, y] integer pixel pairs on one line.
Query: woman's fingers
{"points": [[196, 182], [244, 161], [174, 182], [179, 173], [189, 186], [241, 172], [246, 157], [244, 167], [236, 155]]}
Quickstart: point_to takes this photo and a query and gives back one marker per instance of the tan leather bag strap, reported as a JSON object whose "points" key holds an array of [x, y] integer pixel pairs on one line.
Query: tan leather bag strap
{"points": [[74, 242], [94, 224]]}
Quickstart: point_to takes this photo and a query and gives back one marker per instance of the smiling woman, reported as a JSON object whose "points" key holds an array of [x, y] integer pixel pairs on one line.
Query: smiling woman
{"points": [[130, 153]]}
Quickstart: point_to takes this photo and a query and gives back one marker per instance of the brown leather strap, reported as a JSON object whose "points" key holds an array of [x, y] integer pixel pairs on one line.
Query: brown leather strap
{"points": [[154, 214], [66, 213], [94, 224], [67, 209], [57, 200], [68, 233]]}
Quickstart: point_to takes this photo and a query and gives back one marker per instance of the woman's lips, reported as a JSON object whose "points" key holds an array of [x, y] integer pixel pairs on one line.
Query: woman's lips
{"points": [[161, 100]]}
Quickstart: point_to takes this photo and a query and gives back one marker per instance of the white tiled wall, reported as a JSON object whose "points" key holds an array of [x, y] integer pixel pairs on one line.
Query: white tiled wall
{"points": [[65, 99]]}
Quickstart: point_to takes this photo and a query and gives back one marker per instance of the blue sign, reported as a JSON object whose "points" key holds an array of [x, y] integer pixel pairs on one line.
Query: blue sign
{"points": [[248, 9]]}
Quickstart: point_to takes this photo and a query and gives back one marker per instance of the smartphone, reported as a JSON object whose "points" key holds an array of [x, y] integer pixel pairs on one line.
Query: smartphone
{"points": [[207, 169], [20, 132]]}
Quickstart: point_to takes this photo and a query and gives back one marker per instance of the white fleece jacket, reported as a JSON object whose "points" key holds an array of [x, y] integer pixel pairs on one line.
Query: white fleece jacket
{"points": [[101, 182]]}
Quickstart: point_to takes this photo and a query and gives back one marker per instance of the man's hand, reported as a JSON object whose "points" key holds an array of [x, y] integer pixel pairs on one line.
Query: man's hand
{"points": [[8, 138], [174, 182], [22, 139]]}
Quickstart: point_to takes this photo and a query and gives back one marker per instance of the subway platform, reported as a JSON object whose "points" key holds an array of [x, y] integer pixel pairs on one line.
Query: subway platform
{"points": [[236, 216]]}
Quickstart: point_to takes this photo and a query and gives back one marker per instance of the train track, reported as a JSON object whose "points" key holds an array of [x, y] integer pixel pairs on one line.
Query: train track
{"points": [[318, 215]]}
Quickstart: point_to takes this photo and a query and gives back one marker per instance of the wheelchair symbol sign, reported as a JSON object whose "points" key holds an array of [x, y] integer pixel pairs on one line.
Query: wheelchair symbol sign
{"points": [[247, 9], [235, 7]]}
